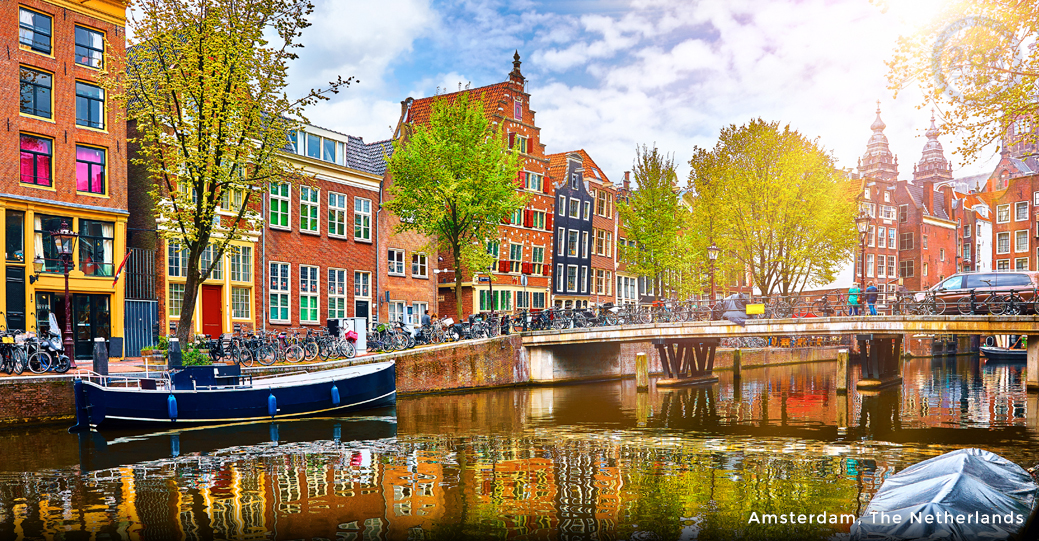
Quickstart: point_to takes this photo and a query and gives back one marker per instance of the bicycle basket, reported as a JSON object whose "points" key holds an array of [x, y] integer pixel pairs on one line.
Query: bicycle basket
{"points": [[351, 336], [381, 327]]}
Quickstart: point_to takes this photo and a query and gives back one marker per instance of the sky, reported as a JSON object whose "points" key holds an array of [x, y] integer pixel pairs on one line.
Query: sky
{"points": [[609, 75]]}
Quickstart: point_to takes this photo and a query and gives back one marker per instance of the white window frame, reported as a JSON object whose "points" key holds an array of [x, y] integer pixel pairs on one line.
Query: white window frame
{"points": [[584, 244], [515, 264], [337, 213], [422, 261], [562, 205], [1004, 211], [362, 218], [336, 282], [240, 261], [366, 292], [584, 279], [284, 293], [575, 235], [575, 208], [176, 299], [310, 278], [881, 237], [1002, 265], [1018, 261], [395, 262], [240, 309], [587, 209], [562, 240], [1020, 211], [869, 265], [1006, 235], [575, 276], [176, 260], [881, 266], [1018, 235], [537, 263], [313, 205], [560, 277], [285, 200]]}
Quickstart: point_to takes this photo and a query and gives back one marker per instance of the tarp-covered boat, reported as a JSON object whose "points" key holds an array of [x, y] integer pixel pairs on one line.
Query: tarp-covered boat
{"points": [[963, 495], [1005, 355], [221, 394]]}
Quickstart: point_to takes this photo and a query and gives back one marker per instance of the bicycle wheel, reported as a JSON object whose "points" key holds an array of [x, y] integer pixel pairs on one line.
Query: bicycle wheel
{"points": [[798, 308], [348, 349], [493, 328], [39, 362], [266, 354], [19, 359], [822, 308], [310, 351], [964, 307], [241, 355], [63, 364], [294, 353], [997, 306], [935, 307], [1014, 306]]}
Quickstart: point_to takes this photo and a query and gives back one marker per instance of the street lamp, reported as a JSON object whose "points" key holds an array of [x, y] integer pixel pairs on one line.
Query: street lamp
{"points": [[65, 242], [712, 255], [37, 266], [862, 223]]}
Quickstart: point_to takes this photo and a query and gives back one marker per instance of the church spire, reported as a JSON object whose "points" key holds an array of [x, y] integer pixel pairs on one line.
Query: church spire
{"points": [[933, 164], [878, 163], [515, 75]]}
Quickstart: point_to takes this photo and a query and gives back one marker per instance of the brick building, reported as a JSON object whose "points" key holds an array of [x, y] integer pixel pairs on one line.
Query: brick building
{"points": [[319, 246], [1015, 224], [66, 163], [604, 233], [627, 290], [574, 234], [523, 251]]}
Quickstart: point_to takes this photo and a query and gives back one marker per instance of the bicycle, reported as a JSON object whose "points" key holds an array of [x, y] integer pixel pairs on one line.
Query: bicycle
{"points": [[823, 308], [993, 303]]}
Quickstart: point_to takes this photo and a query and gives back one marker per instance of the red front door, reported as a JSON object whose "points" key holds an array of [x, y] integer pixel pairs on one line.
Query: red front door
{"points": [[212, 311]]}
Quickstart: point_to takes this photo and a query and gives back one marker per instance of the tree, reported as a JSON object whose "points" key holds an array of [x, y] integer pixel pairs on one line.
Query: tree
{"points": [[204, 86], [655, 217], [978, 64], [454, 180], [774, 201]]}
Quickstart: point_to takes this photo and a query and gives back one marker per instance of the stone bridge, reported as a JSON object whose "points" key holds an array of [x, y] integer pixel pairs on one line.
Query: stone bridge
{"points": [[687, 349]]}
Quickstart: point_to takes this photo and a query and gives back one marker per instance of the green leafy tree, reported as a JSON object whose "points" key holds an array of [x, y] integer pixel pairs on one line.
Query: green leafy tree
{"points": [[654, 216], [977, 62], [454, 180], [773, 201], [204, 87]]}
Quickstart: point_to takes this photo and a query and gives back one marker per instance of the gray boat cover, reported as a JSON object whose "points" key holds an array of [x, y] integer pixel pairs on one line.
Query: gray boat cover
{"points": [[734, 309], [963, 495]]}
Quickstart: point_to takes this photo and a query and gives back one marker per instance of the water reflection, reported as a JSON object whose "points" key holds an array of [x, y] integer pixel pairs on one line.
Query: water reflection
{"points": [[595, 460]]}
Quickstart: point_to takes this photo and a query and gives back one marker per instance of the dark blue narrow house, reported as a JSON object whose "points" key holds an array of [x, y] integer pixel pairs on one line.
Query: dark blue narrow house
{"points": [[573, 231]]}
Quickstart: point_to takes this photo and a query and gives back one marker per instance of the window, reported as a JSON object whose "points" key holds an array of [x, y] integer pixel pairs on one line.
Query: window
{"points": [[96, 245], [571, 243], [535, 182], [584, 279], [559, 277], [924, 241], [494, 249], [866, 194], [537, 299], [313, 146], [90, 47], [279, 205], [225, 200], [279, 292], [604, 204], [517, 217], [1021, 240], [419, 267], [90, 169], [871, 237], [905, 241], [881, 237], [90, 106], [905, 269], [881, 266], [925, 269], [240, 302], [241, 260], [515, 257], [522, 300], [600, 242], [36, 160], [336, 214], [561, 206], [176, 260], [587, 210], [891, 266], [395, 262], [1020, 211], [966, 230], [208, 258], [575, 208], [560, 240], [887, 196], [537, 219], [517, 110], [44, 242], [176, 299], [35, 92], [419, 309], [571, 278], [891, 237], [1035, 198], [336, 293], [1002, 265], [941, 254], [396, 311], [1002, 214], [903, 213], [308, 209], [1003, 243], [361, 284], [34, 31], [966, 251], [538, 258], [1021, 263], [308, 294], [362, 219], [575, 180], [887, 212], [584, 244], [869, 265], [15, 235]]}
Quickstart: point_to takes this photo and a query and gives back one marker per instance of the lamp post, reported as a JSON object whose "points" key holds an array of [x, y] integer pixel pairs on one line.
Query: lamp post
{"points": [[862, 223], [712, 255], [65, 242]]}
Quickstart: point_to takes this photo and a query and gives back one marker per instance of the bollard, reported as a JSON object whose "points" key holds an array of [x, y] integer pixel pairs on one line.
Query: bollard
{"points": [[175, 360], [100, 357], [737, 364], [641, 371], [842, 371]]}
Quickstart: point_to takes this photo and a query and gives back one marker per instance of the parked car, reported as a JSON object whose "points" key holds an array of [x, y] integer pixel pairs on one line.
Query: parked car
{"points": [[958, 286]]}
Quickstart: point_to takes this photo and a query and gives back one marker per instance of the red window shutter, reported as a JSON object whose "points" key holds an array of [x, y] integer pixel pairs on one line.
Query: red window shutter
{"points": [[525, 267], [526, 217], [545, 184], [503, 266], [512, 140], [547, 270], [548, 221]]}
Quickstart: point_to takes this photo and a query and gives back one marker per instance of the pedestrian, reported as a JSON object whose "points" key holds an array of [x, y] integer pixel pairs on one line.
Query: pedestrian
{"points": [[871, 298], [853, 299]]}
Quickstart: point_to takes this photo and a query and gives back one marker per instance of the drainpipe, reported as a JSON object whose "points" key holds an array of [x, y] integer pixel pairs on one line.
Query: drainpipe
{"points": [[378, 250], [263, 256]]}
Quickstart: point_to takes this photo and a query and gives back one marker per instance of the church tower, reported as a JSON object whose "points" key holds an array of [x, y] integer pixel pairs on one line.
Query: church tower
{"points": [[933, 166], [878, 163]]}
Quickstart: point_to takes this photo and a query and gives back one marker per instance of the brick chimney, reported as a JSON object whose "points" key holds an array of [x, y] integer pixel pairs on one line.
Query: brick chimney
{"points": [[928, 196], [627, 180]]}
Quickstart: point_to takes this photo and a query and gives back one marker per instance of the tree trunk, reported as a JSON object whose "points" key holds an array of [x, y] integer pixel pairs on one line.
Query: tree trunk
{"points": [[187, 312], [455, 251]]}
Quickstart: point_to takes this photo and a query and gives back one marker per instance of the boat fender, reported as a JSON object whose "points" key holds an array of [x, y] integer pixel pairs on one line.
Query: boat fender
{"points": [[171, 406], [335, 395], [272, 405]]}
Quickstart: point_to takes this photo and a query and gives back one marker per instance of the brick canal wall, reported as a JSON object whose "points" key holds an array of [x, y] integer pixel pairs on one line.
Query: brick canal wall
{"points": [[36, 400]]}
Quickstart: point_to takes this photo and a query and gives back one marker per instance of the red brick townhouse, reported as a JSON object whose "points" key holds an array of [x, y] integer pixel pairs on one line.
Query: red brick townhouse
{"points": [[64, 153], [1015, 224], [523, 250]]}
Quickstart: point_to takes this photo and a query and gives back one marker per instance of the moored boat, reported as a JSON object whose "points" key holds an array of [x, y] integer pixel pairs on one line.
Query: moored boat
{"points": [[1005, 355], [221, 394]]}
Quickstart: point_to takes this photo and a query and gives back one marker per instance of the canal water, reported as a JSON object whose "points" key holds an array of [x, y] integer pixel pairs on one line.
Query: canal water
{"points": [[587, 461]]}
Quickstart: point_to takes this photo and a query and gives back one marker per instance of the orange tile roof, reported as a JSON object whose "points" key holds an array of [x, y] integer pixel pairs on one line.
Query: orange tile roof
{"points": [[557, 167], [492, 97]]}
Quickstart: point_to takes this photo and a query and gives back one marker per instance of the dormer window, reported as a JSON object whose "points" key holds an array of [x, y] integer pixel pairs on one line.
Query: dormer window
{"points": [[517, 109], [575, 179], [866, 194]]}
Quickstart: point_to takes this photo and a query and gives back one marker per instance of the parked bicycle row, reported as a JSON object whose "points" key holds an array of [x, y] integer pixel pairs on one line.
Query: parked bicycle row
{"points": [[21, 351]]}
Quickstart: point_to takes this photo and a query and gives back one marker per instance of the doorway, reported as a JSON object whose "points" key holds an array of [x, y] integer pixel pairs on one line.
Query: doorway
{"points": [[361, 310], [212, 311], [91, 318]]}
